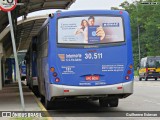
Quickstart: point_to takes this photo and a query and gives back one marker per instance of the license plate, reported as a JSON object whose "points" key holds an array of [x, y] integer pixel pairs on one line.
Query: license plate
{"points": [[92, 77]]}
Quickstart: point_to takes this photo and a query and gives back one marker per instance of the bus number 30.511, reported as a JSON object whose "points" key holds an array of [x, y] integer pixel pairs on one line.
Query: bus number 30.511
{"points": [[93, 56]]}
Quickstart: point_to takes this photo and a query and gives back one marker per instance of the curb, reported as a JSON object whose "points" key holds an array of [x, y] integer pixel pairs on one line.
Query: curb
{"points": [[42, 107]]}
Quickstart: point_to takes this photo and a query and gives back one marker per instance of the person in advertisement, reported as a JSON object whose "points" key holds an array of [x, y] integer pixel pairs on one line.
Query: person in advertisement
{"points": [[83, 29], [92, 33]]}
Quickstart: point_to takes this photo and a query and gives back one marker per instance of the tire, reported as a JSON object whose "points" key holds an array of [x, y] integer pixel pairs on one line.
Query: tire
{"points": [[36, 91], [114, 102], [146, 78], [103, 102], [42, 99], [48, 105], [140, 79], [156, 78]]}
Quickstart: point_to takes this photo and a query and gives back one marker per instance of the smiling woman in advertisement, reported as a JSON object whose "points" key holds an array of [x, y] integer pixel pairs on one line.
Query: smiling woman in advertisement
{"points": [[83, 29]]}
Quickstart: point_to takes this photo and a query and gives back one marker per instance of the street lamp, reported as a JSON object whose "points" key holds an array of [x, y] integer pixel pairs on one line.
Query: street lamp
{"points": [[138, 31]]}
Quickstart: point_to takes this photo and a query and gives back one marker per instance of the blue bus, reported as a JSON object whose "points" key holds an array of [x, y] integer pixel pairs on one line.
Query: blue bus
{"points": [[31, 64], [22, 67], [85, 55]]}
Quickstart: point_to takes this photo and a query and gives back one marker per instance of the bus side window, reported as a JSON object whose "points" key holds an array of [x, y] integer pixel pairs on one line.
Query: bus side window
{"points": [[157, 64], [147, 65]]}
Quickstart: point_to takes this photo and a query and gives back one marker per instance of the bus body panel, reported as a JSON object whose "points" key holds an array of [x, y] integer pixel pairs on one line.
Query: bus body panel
{"points": [[73, 73], [102, 74], [95, 91]]}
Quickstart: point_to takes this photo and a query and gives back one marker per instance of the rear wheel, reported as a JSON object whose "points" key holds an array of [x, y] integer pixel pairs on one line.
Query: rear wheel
{"points": [[108, 102], [146, 78], [140, 79], [103, 102], [42, 98], [36, 91], [47, 104], [113, 103]]}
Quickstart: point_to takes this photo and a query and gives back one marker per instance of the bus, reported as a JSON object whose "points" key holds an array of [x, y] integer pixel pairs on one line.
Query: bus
{"points": [[85, 55], [31, 64], [149, 68], [22, 67]]}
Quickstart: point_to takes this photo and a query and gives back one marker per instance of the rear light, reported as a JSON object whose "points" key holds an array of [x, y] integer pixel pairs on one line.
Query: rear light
{"points": [[146, 69], [120, 87], [52, 69], [127, 77], [55, 74], [66, 90], [129, 72], [57, 80], [130, 66]]}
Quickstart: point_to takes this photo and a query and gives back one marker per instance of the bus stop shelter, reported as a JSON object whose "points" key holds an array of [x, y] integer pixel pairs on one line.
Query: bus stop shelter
{"points": [[25, 29]]}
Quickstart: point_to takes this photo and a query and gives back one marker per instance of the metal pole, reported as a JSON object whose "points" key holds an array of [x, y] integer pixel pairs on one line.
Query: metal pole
{"points": [[0, 75], [139, 47], [138, 31], [4, 75], [16, 61]]}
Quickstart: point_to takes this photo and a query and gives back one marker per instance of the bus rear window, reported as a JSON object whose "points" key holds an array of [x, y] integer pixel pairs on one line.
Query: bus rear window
{"points": [[90, 30]]}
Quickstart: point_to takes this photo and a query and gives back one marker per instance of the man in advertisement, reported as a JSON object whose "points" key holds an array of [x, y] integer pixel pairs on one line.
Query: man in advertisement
{"points": [[95, 32], [92, 33]]}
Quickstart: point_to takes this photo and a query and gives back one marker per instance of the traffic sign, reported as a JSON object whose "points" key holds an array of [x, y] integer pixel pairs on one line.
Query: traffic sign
{"points": [[7, 5]]}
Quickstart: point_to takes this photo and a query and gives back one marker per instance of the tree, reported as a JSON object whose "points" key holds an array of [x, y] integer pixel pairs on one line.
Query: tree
{"points": [[147, 18]]}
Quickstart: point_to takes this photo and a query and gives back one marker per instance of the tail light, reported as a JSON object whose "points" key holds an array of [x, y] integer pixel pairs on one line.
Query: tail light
{"points": [[146, 69], [129, 72], [127, 77], [55, 74]]}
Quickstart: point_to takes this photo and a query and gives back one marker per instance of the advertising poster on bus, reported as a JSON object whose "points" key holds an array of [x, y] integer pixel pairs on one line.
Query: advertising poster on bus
{"points": [[90, 29]]}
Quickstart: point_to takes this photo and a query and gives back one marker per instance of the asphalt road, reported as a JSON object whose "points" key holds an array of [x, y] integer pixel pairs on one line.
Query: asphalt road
{"points": [[146, 97]]}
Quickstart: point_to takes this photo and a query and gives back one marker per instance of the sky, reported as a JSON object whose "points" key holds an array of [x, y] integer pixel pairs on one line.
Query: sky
{"points": [[85, 5], [96, 4]]}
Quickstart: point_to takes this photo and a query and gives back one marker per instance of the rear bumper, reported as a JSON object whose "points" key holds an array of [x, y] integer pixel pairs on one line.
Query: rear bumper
{"points": [[153, 75], [150, 75], [58, 90]]}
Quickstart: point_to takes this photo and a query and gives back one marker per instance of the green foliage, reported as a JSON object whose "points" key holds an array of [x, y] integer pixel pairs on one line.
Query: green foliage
{"points": [[147, 18], [135, 73]]}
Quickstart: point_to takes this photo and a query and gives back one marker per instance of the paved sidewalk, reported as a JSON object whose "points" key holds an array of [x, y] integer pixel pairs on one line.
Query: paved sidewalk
{"points": [[10, 99]]}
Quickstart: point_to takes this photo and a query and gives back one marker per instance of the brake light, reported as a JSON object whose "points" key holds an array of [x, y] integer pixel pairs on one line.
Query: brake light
{"points": [[55, 74], [129, 72], [146, 69]]}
